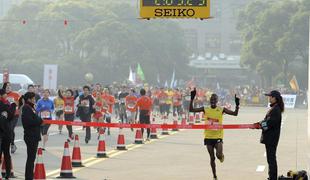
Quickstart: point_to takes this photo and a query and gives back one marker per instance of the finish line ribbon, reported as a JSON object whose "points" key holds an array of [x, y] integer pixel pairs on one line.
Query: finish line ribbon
{"points": [[156, 126]]}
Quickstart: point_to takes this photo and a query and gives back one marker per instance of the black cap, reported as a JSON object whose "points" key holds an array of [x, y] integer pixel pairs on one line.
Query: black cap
{"points": [[274, 93]]}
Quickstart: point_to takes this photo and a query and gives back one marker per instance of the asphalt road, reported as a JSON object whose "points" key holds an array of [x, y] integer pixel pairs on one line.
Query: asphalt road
{"points": [[180, 155]]}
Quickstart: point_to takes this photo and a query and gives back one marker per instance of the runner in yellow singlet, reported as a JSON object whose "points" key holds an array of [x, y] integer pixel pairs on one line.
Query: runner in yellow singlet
{"points": [[214, 116]]}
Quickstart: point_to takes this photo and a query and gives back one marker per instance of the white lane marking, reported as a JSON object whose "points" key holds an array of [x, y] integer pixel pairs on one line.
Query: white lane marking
{"points": [[78, 129], [51, 134], [260, 168], [91, 161]]}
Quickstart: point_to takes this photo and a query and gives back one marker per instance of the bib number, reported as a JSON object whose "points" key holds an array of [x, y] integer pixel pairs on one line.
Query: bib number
{"points": [[68, 109], [45, 114]]}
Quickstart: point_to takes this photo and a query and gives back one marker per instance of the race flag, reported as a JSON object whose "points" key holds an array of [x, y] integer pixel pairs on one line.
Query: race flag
{"points": [[140, 73], [166, 84], [294, 84], [158, 79], [191, 83], [218, 85], [175, 84], [172, 79], [131, 76]]}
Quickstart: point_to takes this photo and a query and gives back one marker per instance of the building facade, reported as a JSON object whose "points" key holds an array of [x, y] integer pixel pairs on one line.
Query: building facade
{"points": [[219, 34]]}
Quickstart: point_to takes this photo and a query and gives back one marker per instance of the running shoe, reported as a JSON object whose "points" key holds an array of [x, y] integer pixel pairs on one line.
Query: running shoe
{"points": [[222, 159]]}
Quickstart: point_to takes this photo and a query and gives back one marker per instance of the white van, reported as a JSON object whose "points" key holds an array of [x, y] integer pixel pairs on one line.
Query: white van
{"points": [[18, 81]]}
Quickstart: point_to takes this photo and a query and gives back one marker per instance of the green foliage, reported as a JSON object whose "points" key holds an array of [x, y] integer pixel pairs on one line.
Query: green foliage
{"points": [[275, 35], [101, 37]]}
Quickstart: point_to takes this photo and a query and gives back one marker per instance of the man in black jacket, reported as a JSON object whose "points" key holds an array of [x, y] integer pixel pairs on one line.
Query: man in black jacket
{"points": [[271, 128], [85, 109]]}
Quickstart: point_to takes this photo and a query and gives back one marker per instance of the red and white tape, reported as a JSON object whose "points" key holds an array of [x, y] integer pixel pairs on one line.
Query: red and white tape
{"points": [[157, 126]]}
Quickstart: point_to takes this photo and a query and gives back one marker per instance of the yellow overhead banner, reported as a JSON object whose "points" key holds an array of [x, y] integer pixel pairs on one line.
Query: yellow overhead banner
{"points": [[175, 9]]}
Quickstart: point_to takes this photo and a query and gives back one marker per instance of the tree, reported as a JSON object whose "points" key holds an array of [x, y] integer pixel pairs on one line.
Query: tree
{"points": [[273, 37], [102, 37]]}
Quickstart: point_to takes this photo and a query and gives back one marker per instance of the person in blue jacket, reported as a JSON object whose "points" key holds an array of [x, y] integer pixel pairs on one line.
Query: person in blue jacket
{"points": [[45, 108]]}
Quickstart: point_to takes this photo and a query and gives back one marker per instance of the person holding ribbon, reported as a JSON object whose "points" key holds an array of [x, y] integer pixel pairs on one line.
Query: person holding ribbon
{"points": [[32, 125], [214, 137], [271, 128], [45, 108], [7, 115]]}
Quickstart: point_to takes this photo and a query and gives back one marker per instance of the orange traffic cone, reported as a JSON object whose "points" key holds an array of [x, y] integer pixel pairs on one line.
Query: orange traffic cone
{"points": [[39, 171], [175, 122], [153, 133], [101, 145], [197, 117], [66, 166], [164, 130], [138, 139], [121, 141], [3, 171], [191, 119], [76, 154]]}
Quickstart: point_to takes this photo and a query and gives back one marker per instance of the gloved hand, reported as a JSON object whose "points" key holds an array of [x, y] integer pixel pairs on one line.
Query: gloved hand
{"points": [[193, 94], [237, 100], [256, 125], [264, 125]]}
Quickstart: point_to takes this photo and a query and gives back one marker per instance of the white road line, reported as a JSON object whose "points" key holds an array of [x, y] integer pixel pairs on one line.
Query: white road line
{"points": [[53, 134], [260, 168]]}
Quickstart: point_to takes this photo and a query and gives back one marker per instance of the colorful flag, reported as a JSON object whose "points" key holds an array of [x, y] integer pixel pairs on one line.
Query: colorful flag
{"points": [[191, 83], [294, 84], [131, 76], [140, 73], [166, 84], [172, 79], [158, 79], [175, 84]]}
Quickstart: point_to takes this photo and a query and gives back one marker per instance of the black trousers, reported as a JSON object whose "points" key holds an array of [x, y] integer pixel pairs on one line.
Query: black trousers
{"points": [[13, 125], [271, 151], [86, 118], [5, 149], [32, 147], [145, 119], [122, 113], [69, 117]]}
